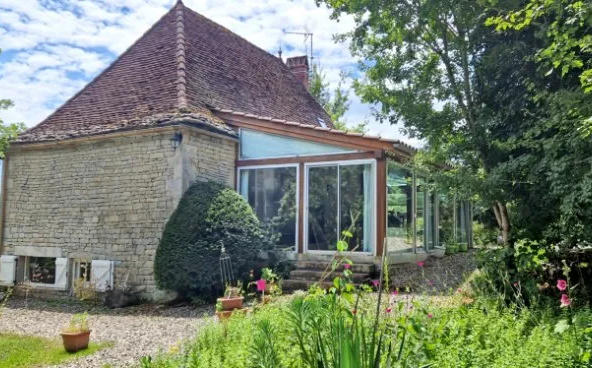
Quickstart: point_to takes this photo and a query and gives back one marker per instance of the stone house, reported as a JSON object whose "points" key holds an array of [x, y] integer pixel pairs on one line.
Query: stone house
{"points": [[86, 193]]}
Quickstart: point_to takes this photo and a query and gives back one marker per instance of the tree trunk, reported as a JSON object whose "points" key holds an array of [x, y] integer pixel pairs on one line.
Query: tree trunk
{"points": [[501, 215]]}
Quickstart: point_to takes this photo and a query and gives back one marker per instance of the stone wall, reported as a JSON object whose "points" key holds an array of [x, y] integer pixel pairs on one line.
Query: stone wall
{"points": [[108, 198]]}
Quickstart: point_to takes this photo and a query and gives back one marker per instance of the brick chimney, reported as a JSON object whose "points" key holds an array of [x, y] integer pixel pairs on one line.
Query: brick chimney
{"points": [[299, 67]]}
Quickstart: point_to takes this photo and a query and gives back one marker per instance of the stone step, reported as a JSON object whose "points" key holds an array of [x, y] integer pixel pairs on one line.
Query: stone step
{"points": [[315, 275], [356, 267], [293, 284]]}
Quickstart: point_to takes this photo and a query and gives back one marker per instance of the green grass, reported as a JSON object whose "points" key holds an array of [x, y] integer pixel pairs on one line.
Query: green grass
{"points": [[17, 351]]}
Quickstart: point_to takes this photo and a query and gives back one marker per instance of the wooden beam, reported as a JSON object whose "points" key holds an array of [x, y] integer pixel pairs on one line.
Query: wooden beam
{"points": [[307, 159], [311, 134]]}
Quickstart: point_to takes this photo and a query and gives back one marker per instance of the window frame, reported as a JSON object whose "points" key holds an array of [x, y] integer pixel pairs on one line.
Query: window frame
{"points": [[373, 230], [39, 284], [255, 167]]}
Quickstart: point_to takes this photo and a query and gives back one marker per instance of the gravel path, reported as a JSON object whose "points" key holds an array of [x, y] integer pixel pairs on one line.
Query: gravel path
{"points": [[135, 331]]}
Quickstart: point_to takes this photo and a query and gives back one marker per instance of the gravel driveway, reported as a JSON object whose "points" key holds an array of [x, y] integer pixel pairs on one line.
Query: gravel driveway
{"points": [[135, 331]]}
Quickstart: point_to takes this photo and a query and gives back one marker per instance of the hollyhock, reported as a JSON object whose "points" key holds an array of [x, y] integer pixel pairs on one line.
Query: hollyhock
{"points": [[347, 266], [421, 263], [430, 315], [261, 285], [389, 309], [561, 285], [375, 283], [565, 302], [395, 292]]}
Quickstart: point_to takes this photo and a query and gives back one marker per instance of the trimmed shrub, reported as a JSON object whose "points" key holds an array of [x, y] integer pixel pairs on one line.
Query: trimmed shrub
{"points": [[208, 216]]}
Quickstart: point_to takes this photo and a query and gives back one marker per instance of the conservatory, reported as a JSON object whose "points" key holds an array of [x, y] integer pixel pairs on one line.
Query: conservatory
{"points": [[309, 185]]}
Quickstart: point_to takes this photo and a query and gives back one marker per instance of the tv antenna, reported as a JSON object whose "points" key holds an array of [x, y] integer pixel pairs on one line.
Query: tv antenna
{"points": [[306, 35]]}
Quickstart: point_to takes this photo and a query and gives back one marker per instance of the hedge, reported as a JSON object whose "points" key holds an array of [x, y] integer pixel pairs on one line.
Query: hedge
{"points": [[208, 215]]}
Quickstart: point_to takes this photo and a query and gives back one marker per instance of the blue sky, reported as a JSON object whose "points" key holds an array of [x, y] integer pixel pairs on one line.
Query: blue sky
{"points": [[51, 49]]}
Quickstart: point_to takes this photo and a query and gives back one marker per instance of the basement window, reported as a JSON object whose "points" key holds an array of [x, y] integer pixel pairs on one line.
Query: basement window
{"points": [[41, 270]]}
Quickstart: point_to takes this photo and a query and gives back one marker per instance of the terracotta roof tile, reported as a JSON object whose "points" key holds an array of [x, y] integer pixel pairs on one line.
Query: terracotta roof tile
{"points": [[183, 63]]}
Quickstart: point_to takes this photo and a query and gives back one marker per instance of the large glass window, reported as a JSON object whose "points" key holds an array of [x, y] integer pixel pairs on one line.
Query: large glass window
{"points": [[255, 145], [399, 208], [42, 270], [340, 197], [426, 216], [446, 223], [271, 192], [462, 222]]}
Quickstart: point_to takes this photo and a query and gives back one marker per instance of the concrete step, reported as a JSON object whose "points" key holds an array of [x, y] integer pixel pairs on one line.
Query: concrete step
{"points": [[293, 284], [356, 267], [315, 275]]}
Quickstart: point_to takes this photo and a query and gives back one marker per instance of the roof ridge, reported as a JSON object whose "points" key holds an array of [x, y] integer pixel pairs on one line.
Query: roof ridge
{"points": [[180, 55]]}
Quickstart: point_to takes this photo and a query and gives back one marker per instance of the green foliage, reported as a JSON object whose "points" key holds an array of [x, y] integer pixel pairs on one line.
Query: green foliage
{"points": [[209, 216], [318, 332], [336, 105], [28, 351], [565, 25]]}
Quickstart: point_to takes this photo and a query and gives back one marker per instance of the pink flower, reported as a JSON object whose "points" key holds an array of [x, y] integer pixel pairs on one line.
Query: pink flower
{"points": [[395, 292], [347, 266], [389, 309], [430, 315], [261, 285], [561, 285], [375, 283], [565, 302], [515, 284], [421, 263], [459, 290]]}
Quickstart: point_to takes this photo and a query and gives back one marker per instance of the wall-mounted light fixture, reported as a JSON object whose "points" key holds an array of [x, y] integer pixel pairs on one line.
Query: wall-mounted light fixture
{"points": [[176, 140]]}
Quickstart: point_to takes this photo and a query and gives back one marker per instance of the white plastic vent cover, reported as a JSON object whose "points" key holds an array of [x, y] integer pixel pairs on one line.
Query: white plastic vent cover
{"points": [[7, 270], [102, 274]]}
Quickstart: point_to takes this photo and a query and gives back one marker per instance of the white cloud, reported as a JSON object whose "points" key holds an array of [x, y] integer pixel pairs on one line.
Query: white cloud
{"points": [[55, 49]]}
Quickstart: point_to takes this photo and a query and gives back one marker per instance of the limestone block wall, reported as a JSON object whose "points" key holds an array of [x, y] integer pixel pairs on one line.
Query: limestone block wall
{"points": [[107, 199]]}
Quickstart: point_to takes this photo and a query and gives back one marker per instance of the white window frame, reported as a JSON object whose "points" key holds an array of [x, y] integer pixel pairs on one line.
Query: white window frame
{"points": [[297, 166], [76, 262], [41, 285], [305, 224], [240, 156]]}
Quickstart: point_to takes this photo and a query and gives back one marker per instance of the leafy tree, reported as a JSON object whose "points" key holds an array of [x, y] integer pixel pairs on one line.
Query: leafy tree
{"points": [[8, 132], [336, 105], [420, 67], [565, 25]]}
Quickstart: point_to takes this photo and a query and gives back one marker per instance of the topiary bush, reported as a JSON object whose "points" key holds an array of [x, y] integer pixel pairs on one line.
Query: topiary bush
{"points": [[208, 215]]}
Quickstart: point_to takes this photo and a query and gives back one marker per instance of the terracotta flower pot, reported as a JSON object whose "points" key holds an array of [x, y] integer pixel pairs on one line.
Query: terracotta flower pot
{"points": [[75, 341], [223, 315], [229, 304]]}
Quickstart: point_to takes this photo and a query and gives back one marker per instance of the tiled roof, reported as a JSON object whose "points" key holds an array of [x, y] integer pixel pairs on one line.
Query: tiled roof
{"points": [[185, 63]]}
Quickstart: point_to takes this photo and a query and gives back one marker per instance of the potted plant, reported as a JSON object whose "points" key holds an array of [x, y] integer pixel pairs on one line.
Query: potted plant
{"points": [[77, 335], [463, 247], [273, 283], [451, 248], [232, 299]]}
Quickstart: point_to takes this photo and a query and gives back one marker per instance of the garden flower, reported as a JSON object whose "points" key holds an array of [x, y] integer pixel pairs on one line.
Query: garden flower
{"points": [[354, 312], [561, 285], [375, 283], [389, 309], [459, 290], [565, 302], [515, 284], [395, 292], [261, 285], [430, 315], [421, 263], [347, 266]]}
